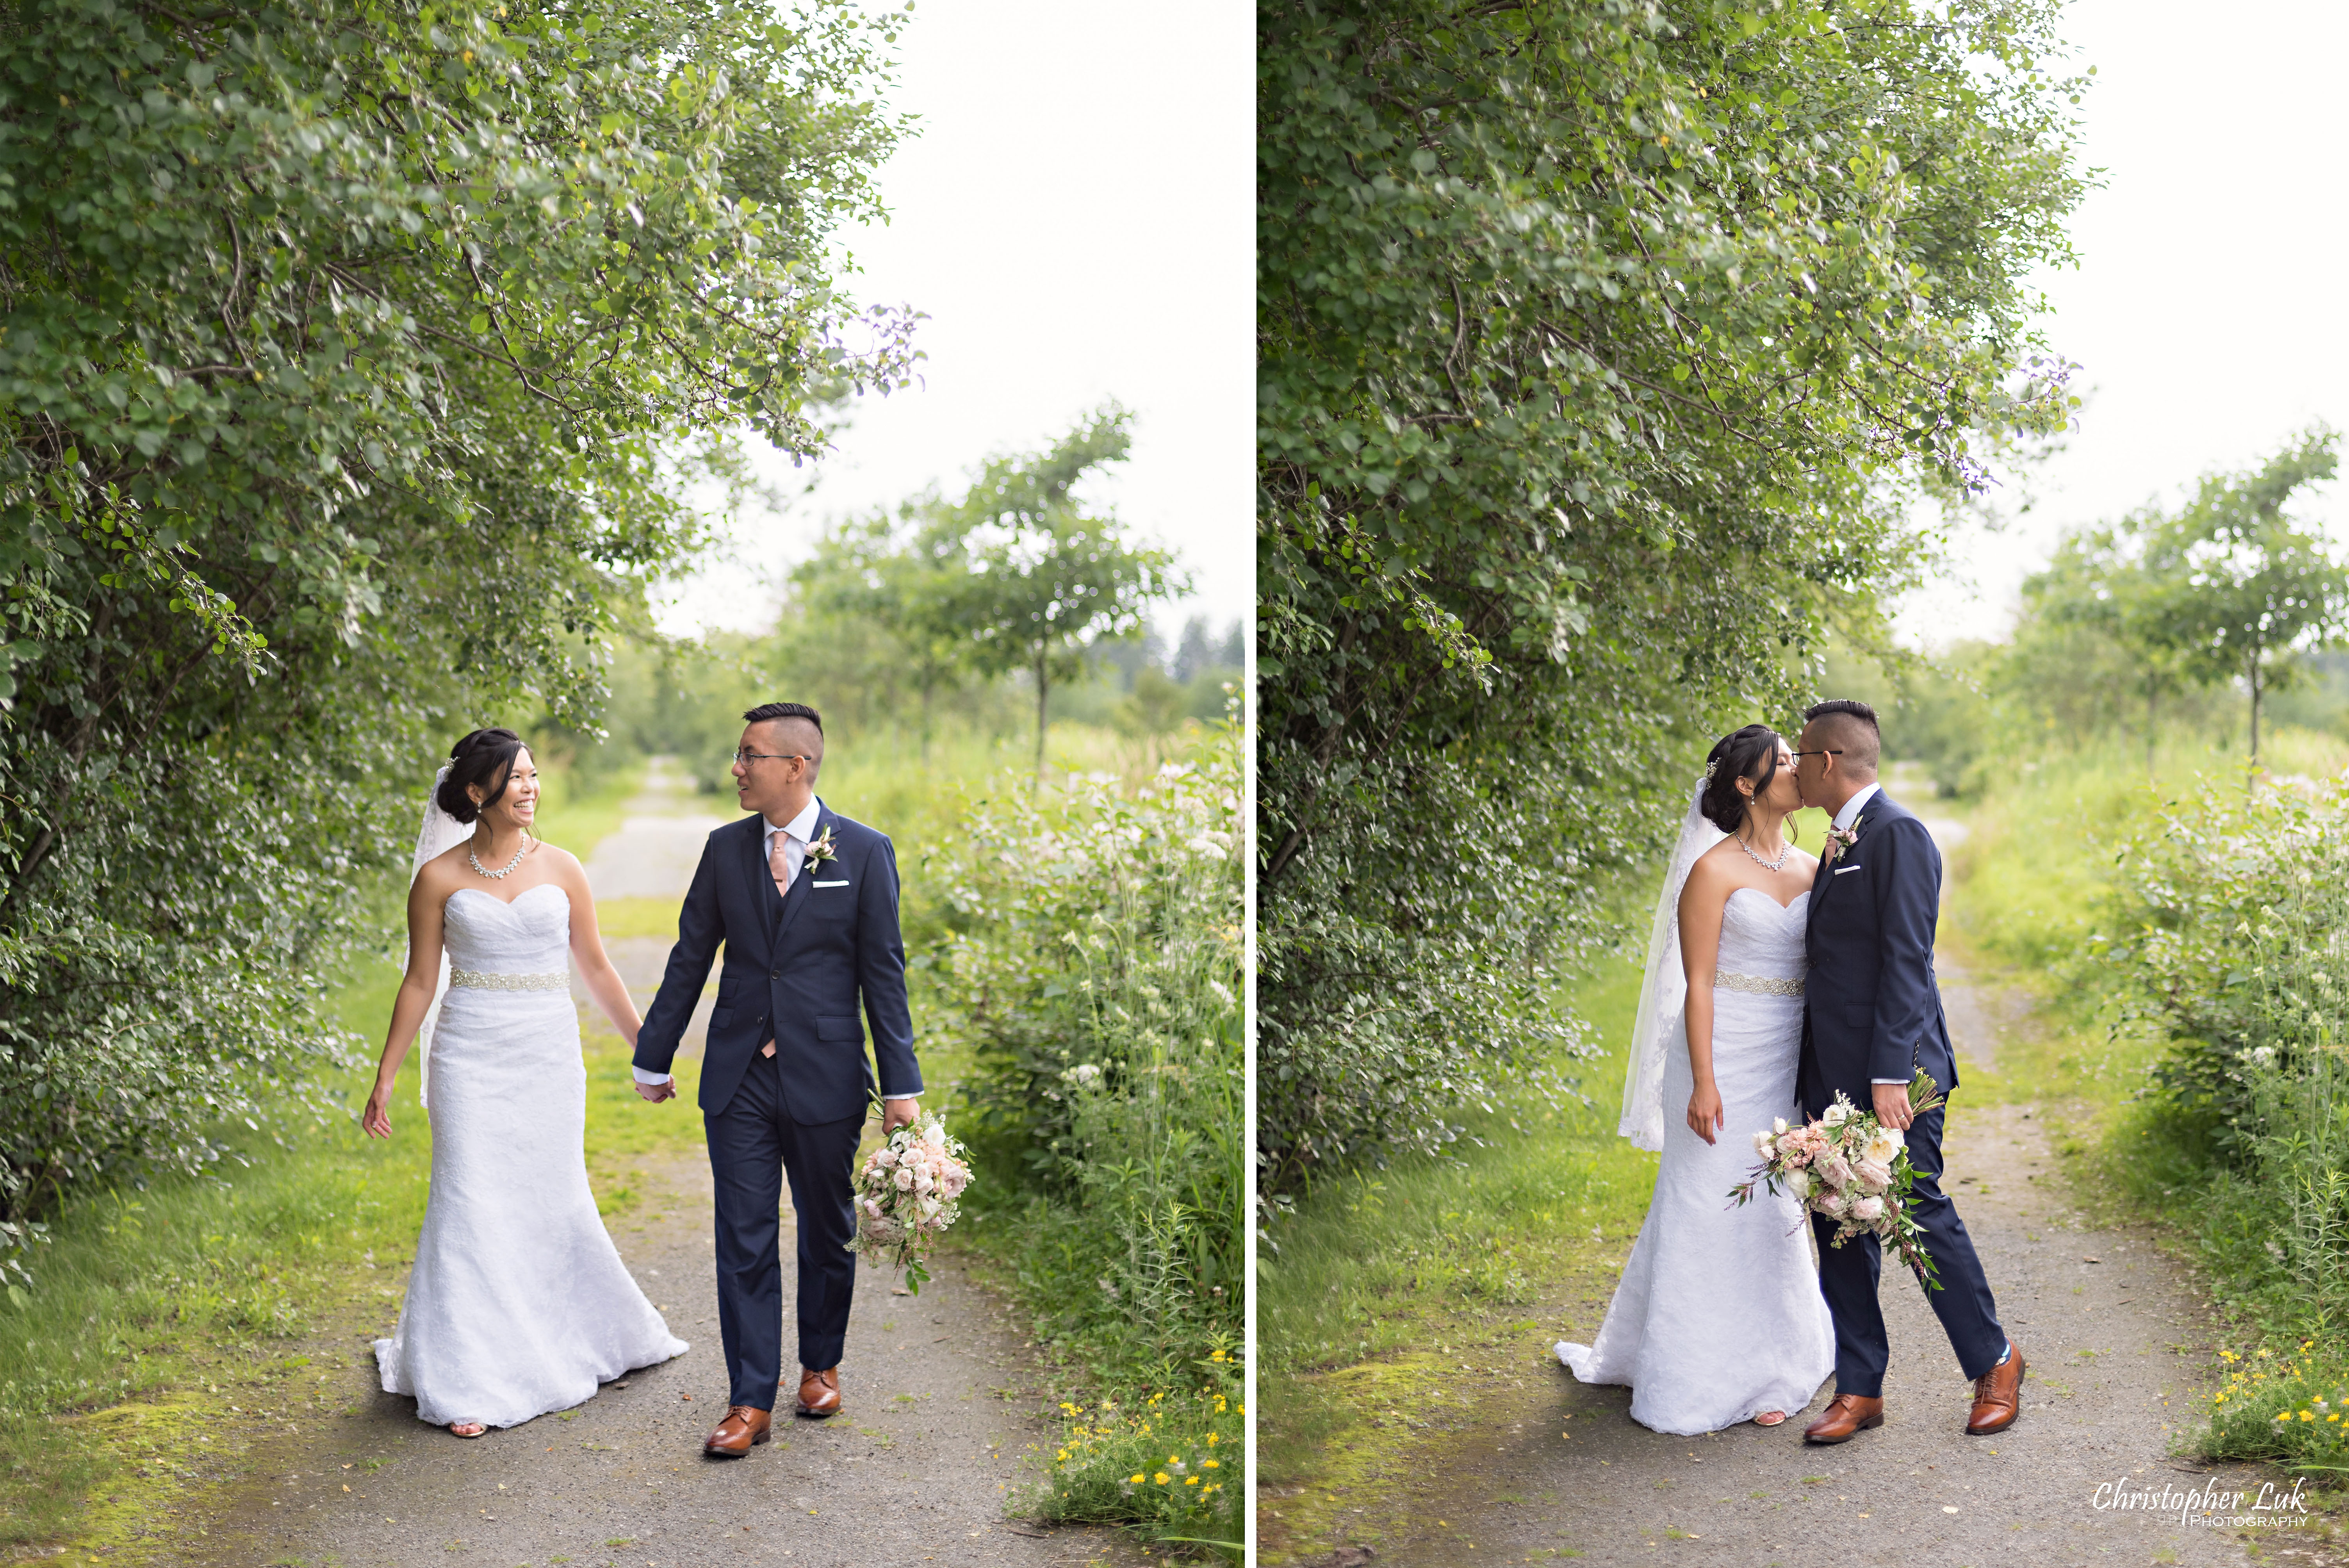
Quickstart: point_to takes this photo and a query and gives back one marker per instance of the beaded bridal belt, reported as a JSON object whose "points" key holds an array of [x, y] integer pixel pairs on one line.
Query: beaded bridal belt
{"points": [[1759, 984], [483, 980]]}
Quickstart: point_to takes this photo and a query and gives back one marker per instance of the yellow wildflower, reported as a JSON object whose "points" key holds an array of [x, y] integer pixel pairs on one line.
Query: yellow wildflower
{"points": [[1160, 1478]]}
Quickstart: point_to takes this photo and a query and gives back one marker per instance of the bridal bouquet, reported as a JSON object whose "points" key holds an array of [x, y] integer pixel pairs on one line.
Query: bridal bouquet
{"points": [[1854, 1170], [907, 1190]]}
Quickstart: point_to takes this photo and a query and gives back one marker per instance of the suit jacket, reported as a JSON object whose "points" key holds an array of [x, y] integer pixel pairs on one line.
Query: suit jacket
{"points": [[795, 969], [1871, 1009]]}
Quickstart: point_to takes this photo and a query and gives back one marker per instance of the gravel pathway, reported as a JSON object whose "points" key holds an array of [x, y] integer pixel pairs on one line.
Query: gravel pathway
{"points": [[938, 1423]]}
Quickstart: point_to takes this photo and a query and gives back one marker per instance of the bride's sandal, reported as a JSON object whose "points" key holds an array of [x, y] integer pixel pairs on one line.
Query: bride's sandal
{"points": [[1770, 1418], [457, 1429]]}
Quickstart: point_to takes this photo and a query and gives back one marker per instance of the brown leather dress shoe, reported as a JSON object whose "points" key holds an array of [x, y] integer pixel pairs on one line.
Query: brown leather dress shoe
{"points": [[744, 1428], [1845, 1415], [820, 1392], [1998, 1396]]}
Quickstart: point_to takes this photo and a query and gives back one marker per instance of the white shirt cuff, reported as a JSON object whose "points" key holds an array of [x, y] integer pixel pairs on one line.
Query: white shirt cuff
{"points": [[643, 1077], [887, 1098], [1887, 1080]]}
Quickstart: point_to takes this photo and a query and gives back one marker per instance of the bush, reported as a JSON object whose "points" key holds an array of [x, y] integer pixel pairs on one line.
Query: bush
{"points": [[1095, 972], [2241, 953]]}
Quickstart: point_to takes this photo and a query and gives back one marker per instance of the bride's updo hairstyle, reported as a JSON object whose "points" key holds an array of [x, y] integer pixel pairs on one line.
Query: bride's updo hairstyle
{"points": [[1750, 753], [485, 757]]}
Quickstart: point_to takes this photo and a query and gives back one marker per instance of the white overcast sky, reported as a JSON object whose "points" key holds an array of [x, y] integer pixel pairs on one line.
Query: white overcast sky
{"points": [[1077, 219], [2207, 313]]}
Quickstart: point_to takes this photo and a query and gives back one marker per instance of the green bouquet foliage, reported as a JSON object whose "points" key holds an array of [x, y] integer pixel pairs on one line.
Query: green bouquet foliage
{"points": [[1602, 352], [356, 355]]}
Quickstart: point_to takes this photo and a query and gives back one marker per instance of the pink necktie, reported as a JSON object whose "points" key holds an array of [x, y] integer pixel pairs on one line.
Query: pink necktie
{"points": [[778, 866]]}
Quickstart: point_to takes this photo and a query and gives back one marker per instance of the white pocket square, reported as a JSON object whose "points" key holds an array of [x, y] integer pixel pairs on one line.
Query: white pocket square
{"points": [[1838, 870], [842, 882]]}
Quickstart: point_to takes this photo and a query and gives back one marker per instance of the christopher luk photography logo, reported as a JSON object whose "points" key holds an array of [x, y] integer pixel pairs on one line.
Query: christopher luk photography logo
{"points": [[2208, 1502]]}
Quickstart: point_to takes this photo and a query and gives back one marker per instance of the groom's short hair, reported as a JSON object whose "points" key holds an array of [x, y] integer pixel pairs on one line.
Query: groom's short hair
{"points": [[1851, 726], [766, 711]]}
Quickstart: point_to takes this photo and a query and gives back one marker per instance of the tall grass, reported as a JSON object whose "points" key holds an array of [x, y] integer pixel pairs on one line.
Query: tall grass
{"points": [[1092, 969], [2189, 935]]}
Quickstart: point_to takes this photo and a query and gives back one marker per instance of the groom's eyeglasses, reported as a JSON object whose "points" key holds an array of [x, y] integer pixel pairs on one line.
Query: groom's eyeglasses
{"points": [[748, 757], [1822, 752]]}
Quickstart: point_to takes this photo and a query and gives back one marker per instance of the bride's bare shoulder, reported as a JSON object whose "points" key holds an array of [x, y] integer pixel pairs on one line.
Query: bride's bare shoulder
{"points": [[441, 874]]}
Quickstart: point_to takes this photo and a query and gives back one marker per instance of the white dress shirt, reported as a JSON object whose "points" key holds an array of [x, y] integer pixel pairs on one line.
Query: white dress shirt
{"points": [[1856, 804], [796, 834]]}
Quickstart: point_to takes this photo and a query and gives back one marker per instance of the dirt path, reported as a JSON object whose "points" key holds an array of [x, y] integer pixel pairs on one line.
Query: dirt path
{"points": [[939, 1394], [1521, 1463]]}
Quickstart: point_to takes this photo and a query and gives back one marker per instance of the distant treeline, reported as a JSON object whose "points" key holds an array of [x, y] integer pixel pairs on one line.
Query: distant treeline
{"points": [[2221, 618]]}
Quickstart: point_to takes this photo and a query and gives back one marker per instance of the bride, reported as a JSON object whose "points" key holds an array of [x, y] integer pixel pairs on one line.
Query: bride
{"points": [[518, 1304], [1718, 1318]]}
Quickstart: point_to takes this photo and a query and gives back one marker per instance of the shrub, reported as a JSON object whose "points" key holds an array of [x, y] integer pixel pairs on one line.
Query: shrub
{"points": [[1095, 972]]}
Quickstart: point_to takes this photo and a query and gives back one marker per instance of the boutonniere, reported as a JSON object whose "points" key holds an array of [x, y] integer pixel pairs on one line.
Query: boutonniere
{"points": [[1842, 839], [820, 849]]}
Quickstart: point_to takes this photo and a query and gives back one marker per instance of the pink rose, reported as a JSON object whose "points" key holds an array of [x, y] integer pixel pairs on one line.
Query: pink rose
{"points": [[1837, 1171], [1868, 1210], [1873, 1177]]}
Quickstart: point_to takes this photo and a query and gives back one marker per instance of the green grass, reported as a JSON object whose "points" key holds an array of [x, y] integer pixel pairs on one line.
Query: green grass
{"points": [[1386, 1281], [576, 813], [2030, 897], [157, 1309]]}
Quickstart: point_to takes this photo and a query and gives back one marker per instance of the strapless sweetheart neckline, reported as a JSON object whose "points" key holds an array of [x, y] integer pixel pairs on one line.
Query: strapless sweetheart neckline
{"points": [[1782, 908], [510, 902]]}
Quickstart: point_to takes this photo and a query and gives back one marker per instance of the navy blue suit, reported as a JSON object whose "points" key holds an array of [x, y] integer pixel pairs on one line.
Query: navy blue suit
{"points": [[797, 969], [1872, 1010]]}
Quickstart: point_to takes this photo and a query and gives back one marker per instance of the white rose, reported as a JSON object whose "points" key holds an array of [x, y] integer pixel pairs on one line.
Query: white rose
{"points": [[1798, 1183], [1870, 1210], [1762, 1145], [1838, 1114], [1882, 1146], [905, 1179], [884, 1158], [935, 1135], [1779, 1125]]}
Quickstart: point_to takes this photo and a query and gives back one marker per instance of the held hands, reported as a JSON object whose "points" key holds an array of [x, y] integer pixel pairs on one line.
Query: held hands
{"points": [[657, 1092], [1705, 1116], [1892, 1105]]}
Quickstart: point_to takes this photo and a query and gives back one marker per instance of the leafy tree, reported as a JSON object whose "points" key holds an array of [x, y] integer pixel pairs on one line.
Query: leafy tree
{"points": [[1600, 350], [2088, 645], [355, 357], [2235, 588], [1046, 578], [907, 573]]}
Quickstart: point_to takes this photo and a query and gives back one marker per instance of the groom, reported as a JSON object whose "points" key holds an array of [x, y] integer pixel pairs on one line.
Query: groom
{"points": [[1872, 1017], [805, 901]]}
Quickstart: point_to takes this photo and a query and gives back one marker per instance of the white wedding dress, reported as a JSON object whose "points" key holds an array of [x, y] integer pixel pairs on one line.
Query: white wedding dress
{"points": [[1718, 1316], [518, 1304]]}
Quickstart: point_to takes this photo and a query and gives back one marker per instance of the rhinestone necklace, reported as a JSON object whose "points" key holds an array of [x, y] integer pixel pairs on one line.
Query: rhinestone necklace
{"points": [[507, 870], [1784, 850]]}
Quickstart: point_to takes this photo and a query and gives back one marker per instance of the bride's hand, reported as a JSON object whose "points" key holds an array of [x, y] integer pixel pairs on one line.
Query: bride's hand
{"points": [[1704, 1113], [374, 1120]]}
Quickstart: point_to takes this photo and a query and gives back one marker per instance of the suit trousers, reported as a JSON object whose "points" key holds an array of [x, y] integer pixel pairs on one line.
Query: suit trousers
{"points": [[754, 1145], [1849, 1274]]}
